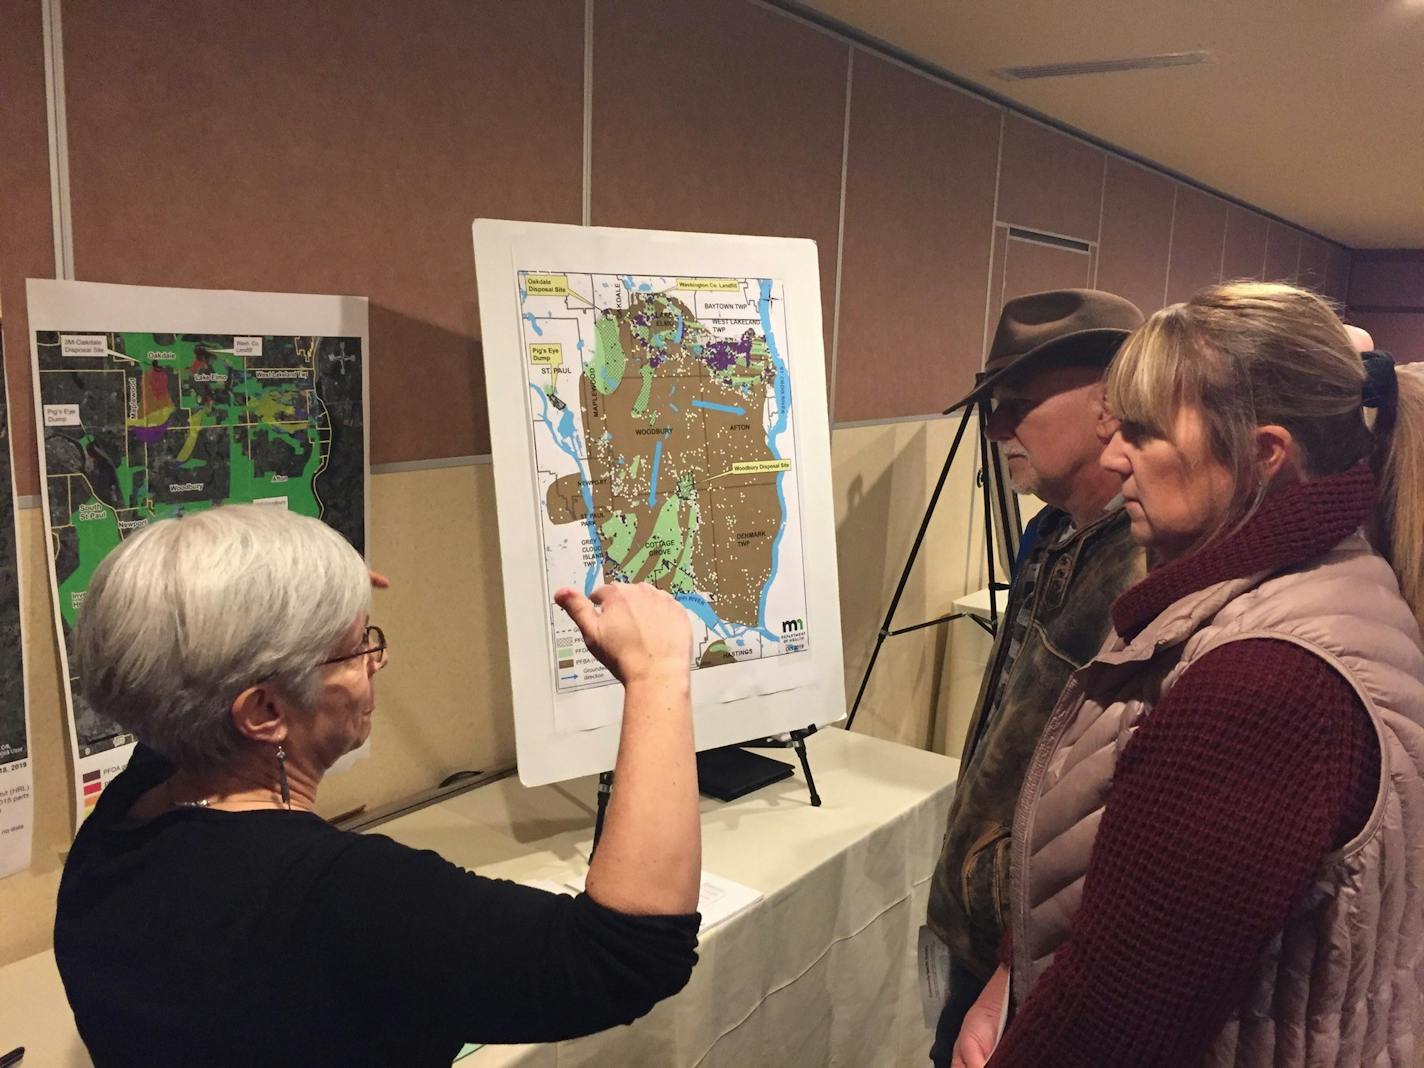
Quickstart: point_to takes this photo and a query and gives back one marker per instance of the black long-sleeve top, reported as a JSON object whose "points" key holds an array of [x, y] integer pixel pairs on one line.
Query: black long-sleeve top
{"points": [[270, 937]]}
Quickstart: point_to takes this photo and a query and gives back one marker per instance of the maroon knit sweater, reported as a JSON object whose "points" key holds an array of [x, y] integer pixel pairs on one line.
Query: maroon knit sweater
{"points": [[1257, 762]]}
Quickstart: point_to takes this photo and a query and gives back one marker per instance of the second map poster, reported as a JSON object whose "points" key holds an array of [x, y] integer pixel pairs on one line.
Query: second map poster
{"points": [[666, 394], [156, 403]]}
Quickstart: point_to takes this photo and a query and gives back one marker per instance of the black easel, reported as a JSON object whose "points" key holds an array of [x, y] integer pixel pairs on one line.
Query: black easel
{"points": [[989, 470], [792, 740]]}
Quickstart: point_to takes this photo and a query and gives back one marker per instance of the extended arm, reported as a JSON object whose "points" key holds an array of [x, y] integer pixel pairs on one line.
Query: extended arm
{"points": [[649, 859]]}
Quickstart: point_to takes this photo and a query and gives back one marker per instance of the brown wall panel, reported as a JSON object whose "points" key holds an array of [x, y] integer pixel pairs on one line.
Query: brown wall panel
{"points": [[269, 145], [1313, 255], [1032, 268], [1282, 252], [1387, 299], [1401, 334], [1338, 264], [1391, 279], [1198, 232], [1245, 253], [745, 140], [26, 241], [919, 212], [1050, 181], [1137, 228]]}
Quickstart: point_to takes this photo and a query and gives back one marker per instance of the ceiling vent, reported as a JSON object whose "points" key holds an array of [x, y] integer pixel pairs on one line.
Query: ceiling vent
{"points": [[1100, 66]]}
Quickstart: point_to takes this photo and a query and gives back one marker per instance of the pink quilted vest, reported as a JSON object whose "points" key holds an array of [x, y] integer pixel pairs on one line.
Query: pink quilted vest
{"points": [[1343, 983]]}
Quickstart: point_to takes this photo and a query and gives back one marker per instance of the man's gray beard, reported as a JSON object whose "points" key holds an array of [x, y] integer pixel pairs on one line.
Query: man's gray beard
{"points": [[1026, 481]]}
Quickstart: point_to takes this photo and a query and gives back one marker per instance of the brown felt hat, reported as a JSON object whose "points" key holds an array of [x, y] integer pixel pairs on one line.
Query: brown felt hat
{"points": [[1059, 328]]}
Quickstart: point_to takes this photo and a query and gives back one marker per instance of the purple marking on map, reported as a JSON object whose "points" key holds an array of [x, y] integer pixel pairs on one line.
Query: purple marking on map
{"points": [[722, 355], [151, 435]]}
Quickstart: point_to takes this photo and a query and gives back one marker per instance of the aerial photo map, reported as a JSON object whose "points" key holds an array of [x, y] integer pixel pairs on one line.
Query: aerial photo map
{"points": [[144, 426], [14, 745], [665, 453]]}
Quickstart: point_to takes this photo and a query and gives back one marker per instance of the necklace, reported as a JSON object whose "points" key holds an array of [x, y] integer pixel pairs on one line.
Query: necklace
{"points": [[173, 802], [212, 801], [242, 806]]}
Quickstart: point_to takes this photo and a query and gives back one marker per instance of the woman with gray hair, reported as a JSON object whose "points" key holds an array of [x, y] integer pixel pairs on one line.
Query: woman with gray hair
{"points": [[207, 916]]}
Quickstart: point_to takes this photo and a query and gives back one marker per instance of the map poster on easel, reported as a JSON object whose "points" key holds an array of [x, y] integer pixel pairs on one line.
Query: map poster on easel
{"points": [[17, 801], [658, 414], [156, 403]]}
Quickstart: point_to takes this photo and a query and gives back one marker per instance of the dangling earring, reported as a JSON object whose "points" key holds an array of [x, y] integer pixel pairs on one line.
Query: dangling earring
{"points": [[282, 777]]}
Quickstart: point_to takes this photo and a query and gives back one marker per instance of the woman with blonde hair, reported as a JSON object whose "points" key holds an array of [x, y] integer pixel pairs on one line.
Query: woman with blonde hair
{"points": [[1219, 850]]}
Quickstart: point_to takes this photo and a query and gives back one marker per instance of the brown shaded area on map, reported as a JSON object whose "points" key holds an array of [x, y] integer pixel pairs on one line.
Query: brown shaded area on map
{"points": [[565, 502], [717, 529], [744, 522], [716, 655]]}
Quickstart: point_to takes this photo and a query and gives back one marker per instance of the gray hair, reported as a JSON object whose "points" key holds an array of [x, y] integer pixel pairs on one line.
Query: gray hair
{"points": [[189, 612]]}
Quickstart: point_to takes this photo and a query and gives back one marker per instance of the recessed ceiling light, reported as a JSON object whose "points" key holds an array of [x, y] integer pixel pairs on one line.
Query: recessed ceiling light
{"points": [[1100, 66]]}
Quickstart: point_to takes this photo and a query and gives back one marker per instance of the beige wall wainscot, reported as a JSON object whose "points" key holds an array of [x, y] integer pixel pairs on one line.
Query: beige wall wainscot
{"points": [[884, 475], [924, 685]]}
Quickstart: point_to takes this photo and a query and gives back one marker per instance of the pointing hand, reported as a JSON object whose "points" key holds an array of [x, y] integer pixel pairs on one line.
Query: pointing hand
{"points": [[637, 631]]}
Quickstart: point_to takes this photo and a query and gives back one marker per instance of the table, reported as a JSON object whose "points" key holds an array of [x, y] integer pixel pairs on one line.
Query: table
{"points": [[820, 972], [977, 604]]}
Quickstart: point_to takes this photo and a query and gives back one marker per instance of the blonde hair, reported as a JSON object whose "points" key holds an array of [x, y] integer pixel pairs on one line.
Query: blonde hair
{"points": [[1251, 354], [1401, 476]]}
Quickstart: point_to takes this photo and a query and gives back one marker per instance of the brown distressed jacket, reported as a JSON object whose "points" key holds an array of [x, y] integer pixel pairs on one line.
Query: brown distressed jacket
{"points": [[1068, 622]]}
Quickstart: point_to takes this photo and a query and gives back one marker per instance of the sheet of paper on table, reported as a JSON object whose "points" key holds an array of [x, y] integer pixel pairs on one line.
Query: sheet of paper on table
{"points": [[718, 900]]}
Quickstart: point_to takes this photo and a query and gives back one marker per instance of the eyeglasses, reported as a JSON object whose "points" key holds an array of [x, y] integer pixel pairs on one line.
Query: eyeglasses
{"points": [[1011, 410], [375, 646]]}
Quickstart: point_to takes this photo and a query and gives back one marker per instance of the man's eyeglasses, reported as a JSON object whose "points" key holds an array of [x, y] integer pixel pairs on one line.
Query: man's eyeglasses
{"points": [[1011, 410], [374, 646]]}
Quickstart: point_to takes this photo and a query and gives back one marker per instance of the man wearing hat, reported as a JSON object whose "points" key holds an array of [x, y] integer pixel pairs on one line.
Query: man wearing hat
{"points": [[1044, 377]]}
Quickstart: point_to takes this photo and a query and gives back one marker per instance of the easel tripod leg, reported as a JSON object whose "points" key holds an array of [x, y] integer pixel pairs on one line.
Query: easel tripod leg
{"points": [[799, 744], [605, 788]]}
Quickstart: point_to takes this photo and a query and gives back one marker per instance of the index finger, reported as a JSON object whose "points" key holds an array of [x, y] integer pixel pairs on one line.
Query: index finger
{"points": [[608, 589], [578, 607]]}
